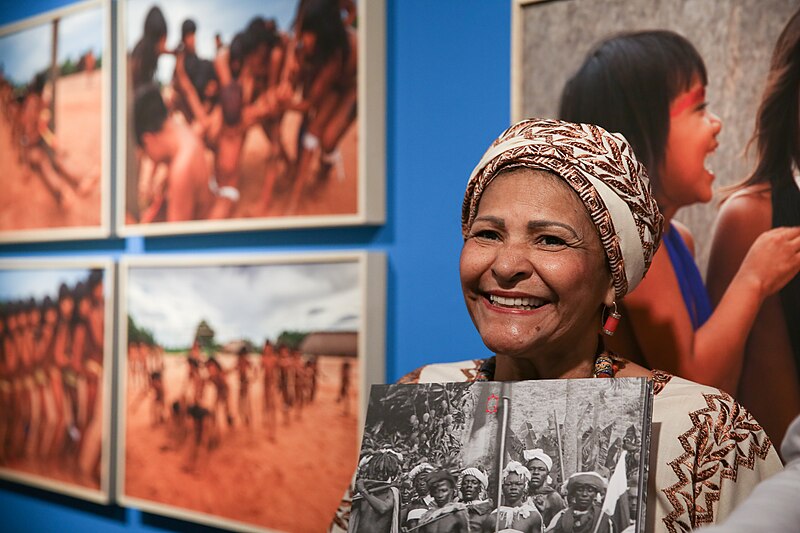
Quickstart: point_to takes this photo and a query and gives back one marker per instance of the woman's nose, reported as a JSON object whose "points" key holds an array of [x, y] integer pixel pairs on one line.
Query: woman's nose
{"points": [[512, 264]]}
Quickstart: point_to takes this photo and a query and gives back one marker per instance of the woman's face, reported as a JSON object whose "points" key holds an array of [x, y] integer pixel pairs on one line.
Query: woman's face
{"points": [[685, 178], [533, 270]]}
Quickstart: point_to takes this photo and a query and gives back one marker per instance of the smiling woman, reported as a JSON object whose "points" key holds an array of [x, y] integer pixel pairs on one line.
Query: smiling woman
{"points": [[559, 224], [533, 273]]}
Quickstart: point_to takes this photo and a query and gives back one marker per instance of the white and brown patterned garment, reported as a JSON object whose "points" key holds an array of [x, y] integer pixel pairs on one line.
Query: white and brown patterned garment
{"points": [[707, 454]]}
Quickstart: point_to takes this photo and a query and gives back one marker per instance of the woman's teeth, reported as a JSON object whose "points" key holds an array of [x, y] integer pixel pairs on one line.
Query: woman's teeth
{"points": [[526, 304]]}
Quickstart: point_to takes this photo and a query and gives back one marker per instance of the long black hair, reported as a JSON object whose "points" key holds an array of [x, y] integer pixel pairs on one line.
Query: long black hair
{"points": [[627, 83], [323, 19], [145, 51], [777, 130]]}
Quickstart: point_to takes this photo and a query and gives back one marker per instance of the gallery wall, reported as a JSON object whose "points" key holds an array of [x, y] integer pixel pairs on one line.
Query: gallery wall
{"points": [[448, 96]]}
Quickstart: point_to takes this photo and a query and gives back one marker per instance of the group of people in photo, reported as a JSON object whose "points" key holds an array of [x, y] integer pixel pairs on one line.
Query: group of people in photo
{"points": [[429, 463], [394, 495], [211, 104], [269, 391], [51, 382], [27, 112]]}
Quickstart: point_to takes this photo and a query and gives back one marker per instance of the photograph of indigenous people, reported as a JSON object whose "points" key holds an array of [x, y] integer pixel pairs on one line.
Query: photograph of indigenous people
{"points": [[431, 457], [243, 110], [242, 400], [53, 386], [53, 84]]}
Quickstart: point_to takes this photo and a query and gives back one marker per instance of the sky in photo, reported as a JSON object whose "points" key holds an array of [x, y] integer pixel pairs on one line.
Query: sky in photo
{"points": [[26, 52], [252, 302], [24, 284]]}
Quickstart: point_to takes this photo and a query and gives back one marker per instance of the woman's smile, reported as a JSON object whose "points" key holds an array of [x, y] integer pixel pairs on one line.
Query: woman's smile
{"points": [[515, 303]]}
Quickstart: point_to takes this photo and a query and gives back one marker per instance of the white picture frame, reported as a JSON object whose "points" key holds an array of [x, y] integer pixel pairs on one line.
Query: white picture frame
{"points": [[63, 456], [350, 284], [57, 178], [363, 194]]}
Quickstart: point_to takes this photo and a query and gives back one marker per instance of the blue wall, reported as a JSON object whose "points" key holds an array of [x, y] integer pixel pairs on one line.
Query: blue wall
{"points": [[448, 96]]}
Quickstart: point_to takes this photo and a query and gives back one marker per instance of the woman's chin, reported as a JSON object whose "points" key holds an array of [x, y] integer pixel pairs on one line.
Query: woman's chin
{"points": [[505, 347]]}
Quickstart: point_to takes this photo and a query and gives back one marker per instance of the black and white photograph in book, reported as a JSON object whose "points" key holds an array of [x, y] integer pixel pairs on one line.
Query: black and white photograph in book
{"points": [[529, 456]]}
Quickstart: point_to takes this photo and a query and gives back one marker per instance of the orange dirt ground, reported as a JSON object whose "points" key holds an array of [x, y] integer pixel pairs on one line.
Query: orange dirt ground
{"points": [[293, 484], [25, 203]]}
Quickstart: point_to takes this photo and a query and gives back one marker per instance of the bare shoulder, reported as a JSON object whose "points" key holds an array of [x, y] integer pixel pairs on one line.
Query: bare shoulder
{"points": [[685, 233], [751, 206], [744, 216]]}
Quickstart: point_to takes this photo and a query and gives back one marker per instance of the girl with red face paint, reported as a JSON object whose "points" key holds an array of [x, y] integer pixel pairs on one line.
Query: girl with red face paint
{"points": [[650, 86]]}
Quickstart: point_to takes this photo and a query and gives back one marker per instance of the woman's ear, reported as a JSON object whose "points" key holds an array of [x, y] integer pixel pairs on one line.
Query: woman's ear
{"points": [[611, 295]]}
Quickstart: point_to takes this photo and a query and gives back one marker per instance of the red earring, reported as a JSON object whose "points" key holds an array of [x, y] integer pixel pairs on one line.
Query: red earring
{"points": [[612, 321]]}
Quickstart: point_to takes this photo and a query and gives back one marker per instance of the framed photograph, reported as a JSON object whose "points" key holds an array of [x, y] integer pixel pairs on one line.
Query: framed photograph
{"points": [[55, 108], [550, 40], [56, 324], [516, 456], [250, 115], [243, 384]]}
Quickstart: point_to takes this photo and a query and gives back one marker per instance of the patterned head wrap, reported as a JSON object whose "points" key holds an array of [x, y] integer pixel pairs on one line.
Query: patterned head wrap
{"points": [[477, 474], [515, 467], [538, 453], [602, 169]]}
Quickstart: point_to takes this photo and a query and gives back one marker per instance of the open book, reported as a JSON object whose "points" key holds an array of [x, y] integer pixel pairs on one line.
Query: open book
{"points": [[548, 455]]}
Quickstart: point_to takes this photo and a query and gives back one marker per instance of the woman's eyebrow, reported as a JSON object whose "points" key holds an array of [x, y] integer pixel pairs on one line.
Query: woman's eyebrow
{"points": [[543, 224], [533, 225], [494, 220]]}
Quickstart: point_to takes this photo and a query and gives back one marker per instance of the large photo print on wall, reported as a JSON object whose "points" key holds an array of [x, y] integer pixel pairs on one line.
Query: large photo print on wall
{"points": [[242, 384], [54, 125], [250, 115], [55, 375]]}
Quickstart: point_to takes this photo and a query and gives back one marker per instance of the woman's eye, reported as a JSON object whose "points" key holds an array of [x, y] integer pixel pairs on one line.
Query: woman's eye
{"points": [[551, 240], [486, 234]]}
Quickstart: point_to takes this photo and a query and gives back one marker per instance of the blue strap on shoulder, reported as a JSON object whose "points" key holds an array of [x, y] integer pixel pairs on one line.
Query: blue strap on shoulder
{"points": [[693, 290]]}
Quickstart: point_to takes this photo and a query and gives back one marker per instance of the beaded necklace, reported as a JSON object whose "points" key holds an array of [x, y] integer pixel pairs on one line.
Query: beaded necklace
{"points": [[605, 366]]}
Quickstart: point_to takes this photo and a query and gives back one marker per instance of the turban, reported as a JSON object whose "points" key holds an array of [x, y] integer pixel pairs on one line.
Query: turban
{"points": [[515, 467], [477, 474], [419, 469], [539, 454], [604, 172], [587, 478]]}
